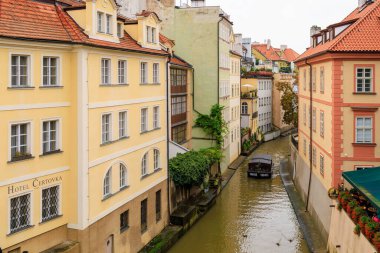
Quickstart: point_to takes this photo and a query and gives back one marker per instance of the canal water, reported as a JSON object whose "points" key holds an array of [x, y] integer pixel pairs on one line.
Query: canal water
{"points": [[250, 215]]}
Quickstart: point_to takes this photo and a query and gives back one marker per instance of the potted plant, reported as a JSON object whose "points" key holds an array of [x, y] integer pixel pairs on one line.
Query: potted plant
{"points": [[356, 213], [345, 200], [362, 222], [357, 230], [351, 206], [370, 229], [376, 241]]}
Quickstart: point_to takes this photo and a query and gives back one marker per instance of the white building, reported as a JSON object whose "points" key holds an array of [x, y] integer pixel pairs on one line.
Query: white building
{"points": [[264, 104]]}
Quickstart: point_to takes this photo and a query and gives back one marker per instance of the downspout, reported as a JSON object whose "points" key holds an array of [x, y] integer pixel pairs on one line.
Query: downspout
{"points": [[168, 98], [311, 134], [218, 54]]}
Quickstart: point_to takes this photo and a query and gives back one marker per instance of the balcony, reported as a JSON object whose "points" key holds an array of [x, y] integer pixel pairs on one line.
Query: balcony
{"points": [[250, 95], [179, 118], [254, 115]]}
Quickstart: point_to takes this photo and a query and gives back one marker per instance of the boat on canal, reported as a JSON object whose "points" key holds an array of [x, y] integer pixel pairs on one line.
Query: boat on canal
{"points": [[260, 166]]}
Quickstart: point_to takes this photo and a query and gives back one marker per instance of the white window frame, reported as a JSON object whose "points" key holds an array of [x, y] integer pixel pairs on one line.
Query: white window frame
{"points": [[364, 128], [58, 69], [144, 121], [29, 70], [103, 141], [143, 72], [123, 181], [59, 208], [58, 135], [29, 137], [314, 119], [123, 126], [322, 79], [156, 73], [322, 123], [371, 78], [105, 73], [109, 24], [322, 164], [156, 159], [109, 175], [122, 72], [100, 20], [120, 30], [145, 164], [156, 117]]}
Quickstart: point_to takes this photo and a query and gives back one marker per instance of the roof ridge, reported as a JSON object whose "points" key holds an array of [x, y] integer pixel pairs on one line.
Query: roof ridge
{"points": [[353, 26]]}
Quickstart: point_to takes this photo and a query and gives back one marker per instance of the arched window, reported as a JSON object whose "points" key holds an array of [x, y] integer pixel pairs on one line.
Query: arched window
{"points": [[144, 165], [157, 160], [244, 108], [107, 183], [123, 175]]}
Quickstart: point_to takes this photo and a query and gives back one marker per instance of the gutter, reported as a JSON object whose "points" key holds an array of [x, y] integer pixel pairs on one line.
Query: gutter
{"points": [[168, 132], [311, 134]]}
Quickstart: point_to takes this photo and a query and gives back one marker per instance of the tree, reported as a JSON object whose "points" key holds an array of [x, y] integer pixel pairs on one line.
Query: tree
{"points": [[289, 103]]}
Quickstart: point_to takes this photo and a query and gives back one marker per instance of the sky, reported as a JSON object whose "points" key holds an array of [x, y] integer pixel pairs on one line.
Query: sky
{"points": [[285, 22]]}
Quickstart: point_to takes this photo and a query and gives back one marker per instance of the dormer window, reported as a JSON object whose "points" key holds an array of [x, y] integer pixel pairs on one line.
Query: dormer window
{"points": [[100, 22], [120, 30], [109, 24], [151, 34]]}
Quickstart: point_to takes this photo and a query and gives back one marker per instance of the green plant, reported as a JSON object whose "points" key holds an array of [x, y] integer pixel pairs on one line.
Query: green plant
{"points": [[370, 229], [357, 213], [339, 207], [213, 124], [357, 230], [289, 103]]}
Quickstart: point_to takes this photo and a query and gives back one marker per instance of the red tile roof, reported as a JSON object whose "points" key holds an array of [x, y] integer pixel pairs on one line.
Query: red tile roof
{"points": [[27, 19], [176, 60], [363, 35], [164, 39], [290, 55], [275, 54]]}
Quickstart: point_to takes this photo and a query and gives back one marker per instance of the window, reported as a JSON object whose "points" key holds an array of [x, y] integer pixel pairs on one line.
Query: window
{"points": [[50, 71], [49, 136], [50, 203], [106, 71], [158, 205], [179, 105], [106, 128], [304, 147], [363, 167], [107, 183], [123, 176], [144, 165], [156, 73], [100, 22], [322, 80], [179, 134], [322, 130], [314, 157], [157, 160], [144, 73], [20, 213], [151, 34], [120, 30], [122, 71], [144, 214], [20, 141], [144, 120], [109, 24], [156, 117], [304, 80], [314, 79], [363, 130], [123, 124], [20, 70], [124, 220], [322, 165], [364, 79], [304, 114], [178, 77], [314, 119]]}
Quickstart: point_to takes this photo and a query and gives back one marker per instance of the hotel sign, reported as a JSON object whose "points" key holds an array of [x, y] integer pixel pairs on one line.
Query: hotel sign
{"points": [[35, 184]]}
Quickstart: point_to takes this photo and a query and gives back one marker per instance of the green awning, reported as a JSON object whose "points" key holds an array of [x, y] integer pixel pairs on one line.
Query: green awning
{"points": [[367, 182]]}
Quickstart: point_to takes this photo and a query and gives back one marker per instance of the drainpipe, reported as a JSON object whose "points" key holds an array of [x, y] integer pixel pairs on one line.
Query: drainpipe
{"points": [[218, 52], [167, 130], [311, 134]]}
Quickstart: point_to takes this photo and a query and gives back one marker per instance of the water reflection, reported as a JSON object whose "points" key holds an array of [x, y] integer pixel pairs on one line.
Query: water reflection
{"points": [[250, 216]]}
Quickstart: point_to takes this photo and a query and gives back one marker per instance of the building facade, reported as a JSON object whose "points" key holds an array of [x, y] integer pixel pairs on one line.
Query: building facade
{"points": [[338, 106], [264, 100], [84, 127], [248, 111]]}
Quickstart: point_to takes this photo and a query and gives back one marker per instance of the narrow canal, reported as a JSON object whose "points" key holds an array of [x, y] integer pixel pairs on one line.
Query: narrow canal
{"points": [[250, 216]]}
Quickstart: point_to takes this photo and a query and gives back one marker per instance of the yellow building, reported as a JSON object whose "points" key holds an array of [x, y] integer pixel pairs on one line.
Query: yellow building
{"points": [[338, 106], [249, 103], [84, 130]]}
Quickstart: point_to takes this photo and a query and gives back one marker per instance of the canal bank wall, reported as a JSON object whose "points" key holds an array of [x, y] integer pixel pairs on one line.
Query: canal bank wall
{"points": [[315, 239]]}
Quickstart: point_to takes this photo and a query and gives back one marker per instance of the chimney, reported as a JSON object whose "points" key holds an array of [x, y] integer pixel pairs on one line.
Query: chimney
{"points": [[198, 3], [268, 44], [283, 47], [314, 30]]}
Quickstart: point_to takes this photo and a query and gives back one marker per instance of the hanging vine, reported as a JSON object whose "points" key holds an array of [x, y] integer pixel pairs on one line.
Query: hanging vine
{"points": [[213, 125]]}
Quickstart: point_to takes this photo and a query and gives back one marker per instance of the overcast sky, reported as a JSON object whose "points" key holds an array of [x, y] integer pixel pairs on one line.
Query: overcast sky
{"points": [[283, 21]]}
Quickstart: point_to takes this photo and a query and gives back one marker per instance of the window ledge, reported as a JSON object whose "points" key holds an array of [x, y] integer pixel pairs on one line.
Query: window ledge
{"points": [[149, 84], [149, 131], [20, 230], [149, 174], [114, 141], [114, 85], [52, 218], [51, 87], [364, 93], [364, 144], [107, 197], [15, 160], [122, 230], [21, 87], [113, 194], [52, 153]]}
